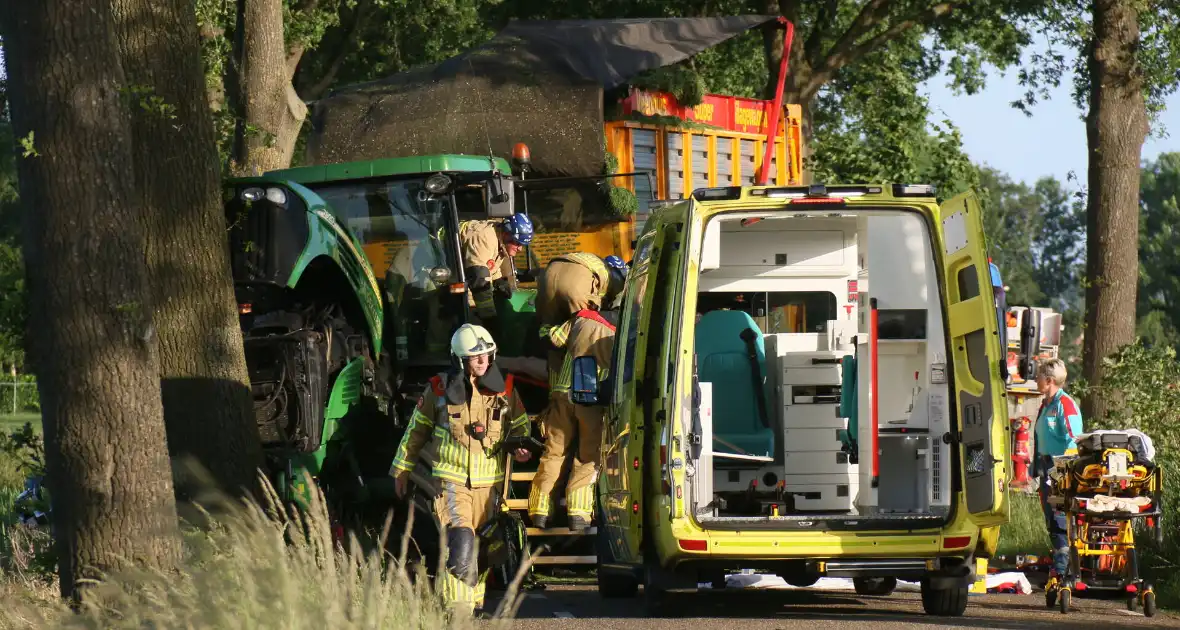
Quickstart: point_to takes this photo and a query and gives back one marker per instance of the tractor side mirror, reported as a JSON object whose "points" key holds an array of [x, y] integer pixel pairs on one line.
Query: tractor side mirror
{"points": [[1030, 343], [586, 390], [500, 196]]}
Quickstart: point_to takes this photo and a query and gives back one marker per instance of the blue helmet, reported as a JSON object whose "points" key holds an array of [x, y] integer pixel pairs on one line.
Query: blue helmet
{"points": [[616, 266], [519, 228]]}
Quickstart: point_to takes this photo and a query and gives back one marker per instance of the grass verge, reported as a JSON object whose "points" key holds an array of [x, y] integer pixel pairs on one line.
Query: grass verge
{"points": [[255, 568], [1025, 531]]}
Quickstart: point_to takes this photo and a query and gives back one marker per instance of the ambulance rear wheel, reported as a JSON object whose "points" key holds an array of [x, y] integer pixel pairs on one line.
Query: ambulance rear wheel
{"points": [[944, 602]]}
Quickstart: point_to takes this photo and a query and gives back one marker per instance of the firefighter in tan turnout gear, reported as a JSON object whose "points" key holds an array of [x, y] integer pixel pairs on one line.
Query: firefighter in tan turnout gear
{"points": [[569, 284], [486, 246], [464, 416], [570, 429]]}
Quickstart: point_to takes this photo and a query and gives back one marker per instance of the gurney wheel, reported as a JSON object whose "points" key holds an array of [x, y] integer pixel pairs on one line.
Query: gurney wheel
{"points": [[1149, 604], [1063, 601], [1050, 598], [1133, 603]]}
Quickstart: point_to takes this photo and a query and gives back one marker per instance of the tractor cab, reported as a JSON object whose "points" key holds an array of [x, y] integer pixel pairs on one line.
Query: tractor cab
{"points": [[349, 285]]}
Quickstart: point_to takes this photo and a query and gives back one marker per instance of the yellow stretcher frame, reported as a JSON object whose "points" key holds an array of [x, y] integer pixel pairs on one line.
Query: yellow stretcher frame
{"points": [[1071, 492]]}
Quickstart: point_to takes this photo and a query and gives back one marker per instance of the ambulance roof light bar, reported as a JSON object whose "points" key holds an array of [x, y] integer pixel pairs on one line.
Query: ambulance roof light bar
{"points": [[717, 194], [819, 191], [914, 190]]}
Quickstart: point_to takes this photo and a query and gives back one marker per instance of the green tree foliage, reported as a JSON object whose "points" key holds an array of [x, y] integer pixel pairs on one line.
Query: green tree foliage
{"points": [[1012, 220], [1143, 382], [856, 66], [1159, 251], [12, 273], [1126, 61], [871, 125], [1060, 252], [1066, 24]]}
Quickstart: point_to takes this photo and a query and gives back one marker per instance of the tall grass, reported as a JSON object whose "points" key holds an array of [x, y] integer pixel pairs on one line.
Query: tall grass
{"points": [[1025, 530], [256, 567]]}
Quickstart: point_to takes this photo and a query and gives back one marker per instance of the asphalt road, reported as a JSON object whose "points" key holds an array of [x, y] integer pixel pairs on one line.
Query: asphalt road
{"points": [[578, 607]]}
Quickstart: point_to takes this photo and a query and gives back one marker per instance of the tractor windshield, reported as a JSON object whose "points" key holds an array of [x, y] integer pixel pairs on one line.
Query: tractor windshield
{"points": [[402, 232]]}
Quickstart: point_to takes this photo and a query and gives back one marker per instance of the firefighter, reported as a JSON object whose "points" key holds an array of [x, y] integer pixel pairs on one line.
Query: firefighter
{"points": [[591, 333], [485, 247], [569, 284], [464, 415]]}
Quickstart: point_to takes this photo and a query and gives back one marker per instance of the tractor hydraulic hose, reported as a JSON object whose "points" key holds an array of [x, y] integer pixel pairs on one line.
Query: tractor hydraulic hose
{"points": [[777, 106]]}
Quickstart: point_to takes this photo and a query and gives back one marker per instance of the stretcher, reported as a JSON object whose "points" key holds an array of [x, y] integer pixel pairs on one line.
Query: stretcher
{"points": [[1109, 486]]}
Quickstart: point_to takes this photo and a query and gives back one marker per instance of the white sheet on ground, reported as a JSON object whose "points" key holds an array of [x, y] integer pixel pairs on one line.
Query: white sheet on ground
{"points": [[1016, 578], [757, 580]]}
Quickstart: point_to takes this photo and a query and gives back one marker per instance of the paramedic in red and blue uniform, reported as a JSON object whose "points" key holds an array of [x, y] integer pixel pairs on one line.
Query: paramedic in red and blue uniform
{"points": [[1058, 422]]}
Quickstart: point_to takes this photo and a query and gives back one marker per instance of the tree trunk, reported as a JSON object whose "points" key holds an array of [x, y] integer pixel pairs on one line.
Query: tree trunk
{"points": [[93, 342], [206, 389], [1116, 127], [272, 112]]}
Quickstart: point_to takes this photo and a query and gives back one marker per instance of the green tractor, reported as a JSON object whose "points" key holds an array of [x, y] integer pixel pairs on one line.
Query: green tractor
{"points": [[349, 287]]}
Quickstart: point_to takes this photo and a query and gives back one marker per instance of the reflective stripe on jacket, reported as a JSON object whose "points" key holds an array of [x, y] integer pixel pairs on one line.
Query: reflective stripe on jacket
{"points": [[462, 458]]}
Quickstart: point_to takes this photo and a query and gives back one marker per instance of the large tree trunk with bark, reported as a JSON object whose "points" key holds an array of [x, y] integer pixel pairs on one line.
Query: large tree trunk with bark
{"points": [[93, 339], [271, 111], [1116, 127], [207, 406]]}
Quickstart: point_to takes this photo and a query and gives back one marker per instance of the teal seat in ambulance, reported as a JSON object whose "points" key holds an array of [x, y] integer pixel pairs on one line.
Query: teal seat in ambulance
{"points": [[741, 424]]}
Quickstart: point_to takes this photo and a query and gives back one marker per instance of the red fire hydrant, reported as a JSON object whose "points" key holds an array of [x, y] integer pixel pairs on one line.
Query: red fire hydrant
{"points": [[1021, 457]]}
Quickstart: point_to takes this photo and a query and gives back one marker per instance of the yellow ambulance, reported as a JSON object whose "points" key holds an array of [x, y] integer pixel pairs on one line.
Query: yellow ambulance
{"points": [[806, 382]]}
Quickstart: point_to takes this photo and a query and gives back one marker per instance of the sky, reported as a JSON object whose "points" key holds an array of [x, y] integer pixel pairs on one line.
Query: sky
{"points": [[1051, 142]]}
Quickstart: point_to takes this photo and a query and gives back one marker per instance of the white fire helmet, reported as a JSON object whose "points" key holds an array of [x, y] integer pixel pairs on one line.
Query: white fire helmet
{"points": [[471, 341]]}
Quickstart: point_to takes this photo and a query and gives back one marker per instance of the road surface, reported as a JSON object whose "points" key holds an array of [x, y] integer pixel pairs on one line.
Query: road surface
{"points": [[578, 607]]}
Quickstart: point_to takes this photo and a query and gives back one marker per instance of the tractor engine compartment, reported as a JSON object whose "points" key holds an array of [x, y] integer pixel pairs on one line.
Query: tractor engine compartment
{"points": [[292, 353]]}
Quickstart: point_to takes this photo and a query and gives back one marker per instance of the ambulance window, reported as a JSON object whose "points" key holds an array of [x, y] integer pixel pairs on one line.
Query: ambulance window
{"points": [[797, 312], [633, 302]]}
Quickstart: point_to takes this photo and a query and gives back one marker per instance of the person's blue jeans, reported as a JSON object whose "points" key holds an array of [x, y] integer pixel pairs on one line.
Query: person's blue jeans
{"points": [[1054, 519]]}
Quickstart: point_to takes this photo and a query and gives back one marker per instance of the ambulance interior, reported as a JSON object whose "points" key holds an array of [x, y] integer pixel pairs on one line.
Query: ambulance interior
{"points": [[784, 353]]}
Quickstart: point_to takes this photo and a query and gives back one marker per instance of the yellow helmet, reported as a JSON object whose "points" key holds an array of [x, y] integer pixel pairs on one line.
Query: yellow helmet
{"points": [[471, 341]]}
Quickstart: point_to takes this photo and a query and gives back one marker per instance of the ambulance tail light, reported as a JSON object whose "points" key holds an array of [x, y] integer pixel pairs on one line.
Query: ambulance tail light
{"points": [[956, 542], [819, 202], [694, 545]]}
